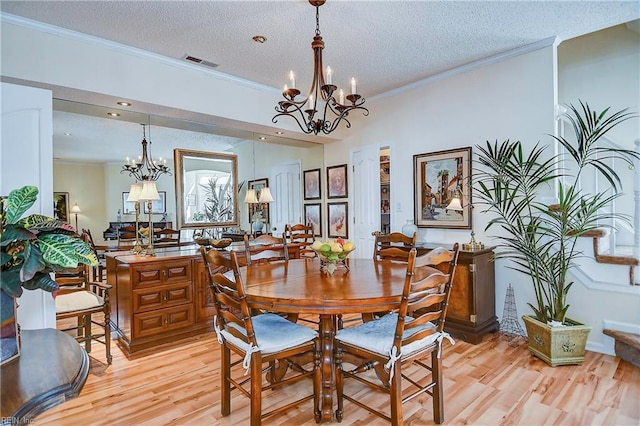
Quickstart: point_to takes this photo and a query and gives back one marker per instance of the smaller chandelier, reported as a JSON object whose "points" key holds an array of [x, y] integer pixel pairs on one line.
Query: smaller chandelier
{"points": [[321, 95], [144, 168]]}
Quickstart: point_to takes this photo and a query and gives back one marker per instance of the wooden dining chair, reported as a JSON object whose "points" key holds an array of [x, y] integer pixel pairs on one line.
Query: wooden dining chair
{"points": [[393, 246], [391, 343], [126, 236], [265, 248], [303, 236], [260, 339], [167, 237], [80, 297]]}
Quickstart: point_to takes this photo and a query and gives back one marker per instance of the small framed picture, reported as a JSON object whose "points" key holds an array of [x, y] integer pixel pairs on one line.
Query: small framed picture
{"points": [[313, 215], [312, 184], [157, 206], [338, 220], [61, 206], [337, 181]]}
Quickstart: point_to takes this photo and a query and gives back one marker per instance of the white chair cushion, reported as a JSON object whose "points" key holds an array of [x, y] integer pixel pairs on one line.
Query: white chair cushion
{"points": [[77, 301], [377, 335], [273, 334]]}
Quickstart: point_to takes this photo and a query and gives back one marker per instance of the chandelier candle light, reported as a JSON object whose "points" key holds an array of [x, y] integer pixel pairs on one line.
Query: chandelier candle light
{"points": [[321, 95]]}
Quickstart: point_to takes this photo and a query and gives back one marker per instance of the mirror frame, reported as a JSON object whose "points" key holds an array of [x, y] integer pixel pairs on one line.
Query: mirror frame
{"points": [[178, 158]]}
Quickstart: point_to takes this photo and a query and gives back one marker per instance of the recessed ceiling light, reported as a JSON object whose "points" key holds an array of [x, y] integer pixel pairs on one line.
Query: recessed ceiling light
{"points": [[262, 138], [259, 39], [113, 114], [279, 132], [122, 103], [67, 134]]}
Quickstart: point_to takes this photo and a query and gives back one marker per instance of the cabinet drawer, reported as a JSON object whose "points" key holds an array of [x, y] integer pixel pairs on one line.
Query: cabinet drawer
{"points": [[162, 320], [160, 297], [154, 274]]}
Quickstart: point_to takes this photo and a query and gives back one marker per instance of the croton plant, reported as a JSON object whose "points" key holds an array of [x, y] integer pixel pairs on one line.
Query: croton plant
{"points": [[36, 245]]}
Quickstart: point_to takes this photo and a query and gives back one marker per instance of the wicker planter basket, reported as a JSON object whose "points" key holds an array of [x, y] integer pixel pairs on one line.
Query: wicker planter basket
{"points": [[557, 345]]}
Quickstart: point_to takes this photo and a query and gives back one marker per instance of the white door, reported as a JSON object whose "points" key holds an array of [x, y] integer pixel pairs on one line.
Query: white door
{"points": [[26, 158], [365, 199], [287, 194]]}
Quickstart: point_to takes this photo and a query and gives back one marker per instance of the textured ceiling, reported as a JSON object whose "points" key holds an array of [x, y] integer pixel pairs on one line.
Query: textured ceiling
{"points": [[384, 44]]}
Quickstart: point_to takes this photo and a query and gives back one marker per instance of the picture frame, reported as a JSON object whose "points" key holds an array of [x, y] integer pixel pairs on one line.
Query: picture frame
{"points": [[128, 207], [338, 220], [157, 206], [312, 187], [337, 181], [439, 177], [262, 208], [313, 215], [61, 206]]}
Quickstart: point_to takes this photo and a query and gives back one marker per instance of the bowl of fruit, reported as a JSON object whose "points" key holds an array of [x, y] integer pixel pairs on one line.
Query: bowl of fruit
{"points": [[333, 253]]}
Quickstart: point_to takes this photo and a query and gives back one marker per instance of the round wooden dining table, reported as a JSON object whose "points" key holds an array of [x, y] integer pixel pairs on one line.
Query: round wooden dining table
{"points": [[300, 287]]}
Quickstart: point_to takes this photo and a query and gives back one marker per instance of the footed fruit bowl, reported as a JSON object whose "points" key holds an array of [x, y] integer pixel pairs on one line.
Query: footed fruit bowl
{"points": [[333, 254]]}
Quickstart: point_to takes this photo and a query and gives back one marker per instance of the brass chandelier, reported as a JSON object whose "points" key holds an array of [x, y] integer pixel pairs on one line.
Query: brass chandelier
{"points": [[321, 95], [144, 168]]}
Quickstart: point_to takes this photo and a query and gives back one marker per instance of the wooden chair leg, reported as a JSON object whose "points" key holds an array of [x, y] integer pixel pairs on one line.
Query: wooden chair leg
{"points": [[317, 384], [87, 332], [339, 384], [225, 364], [395, 394], [436, 376], [256, 389], [107, 337]]}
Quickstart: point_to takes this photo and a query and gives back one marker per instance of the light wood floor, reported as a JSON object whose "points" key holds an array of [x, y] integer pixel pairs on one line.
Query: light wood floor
{"points": [[492, 383]]}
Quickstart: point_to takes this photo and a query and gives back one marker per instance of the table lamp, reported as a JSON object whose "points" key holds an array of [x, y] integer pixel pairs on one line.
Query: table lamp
{"points": [[75, 210], [149, 193], [134, 197]]}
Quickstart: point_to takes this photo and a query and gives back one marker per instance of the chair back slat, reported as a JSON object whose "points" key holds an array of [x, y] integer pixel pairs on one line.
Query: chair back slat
{"points": [[400, 243], [229, 297]]}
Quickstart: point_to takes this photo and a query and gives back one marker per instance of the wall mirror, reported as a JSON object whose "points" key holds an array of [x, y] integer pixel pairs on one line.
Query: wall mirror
{"points": [[206, 189]]}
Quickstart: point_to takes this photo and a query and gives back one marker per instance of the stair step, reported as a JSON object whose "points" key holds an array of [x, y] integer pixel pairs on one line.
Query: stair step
{"points": [[627, 345]]}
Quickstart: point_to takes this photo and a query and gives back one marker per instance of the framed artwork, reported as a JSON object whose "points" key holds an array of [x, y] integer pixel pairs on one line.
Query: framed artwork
{"points": [[442, 198], [338, 220], [61, 206], [128, 207], [313, 215], [259, 208], [157, 206], [312, 187], [337, 181]]}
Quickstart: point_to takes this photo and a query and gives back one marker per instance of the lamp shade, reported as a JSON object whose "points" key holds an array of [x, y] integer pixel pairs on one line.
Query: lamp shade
{"points": [[149, 191], [265, 195], [250, 198], [454, 204], [134, 192], [75, 209]]}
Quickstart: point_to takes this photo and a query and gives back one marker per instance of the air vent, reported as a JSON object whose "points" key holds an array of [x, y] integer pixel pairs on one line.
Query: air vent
{"points": [[199, 61]]}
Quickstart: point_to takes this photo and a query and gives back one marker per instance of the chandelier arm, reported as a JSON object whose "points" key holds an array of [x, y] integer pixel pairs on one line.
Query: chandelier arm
{"points": [[305, 130]]}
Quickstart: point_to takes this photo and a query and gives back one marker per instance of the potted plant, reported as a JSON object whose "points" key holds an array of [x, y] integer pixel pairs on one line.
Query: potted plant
{"points": [[540, 239], [32, 248]]}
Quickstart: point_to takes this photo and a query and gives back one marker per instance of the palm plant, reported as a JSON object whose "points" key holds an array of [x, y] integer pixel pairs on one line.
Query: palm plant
{"points": [[36, 245], [538, 238], [219, 202]]}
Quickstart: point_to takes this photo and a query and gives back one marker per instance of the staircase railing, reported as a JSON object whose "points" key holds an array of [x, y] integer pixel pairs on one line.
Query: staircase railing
{"points": [[593, 182]]}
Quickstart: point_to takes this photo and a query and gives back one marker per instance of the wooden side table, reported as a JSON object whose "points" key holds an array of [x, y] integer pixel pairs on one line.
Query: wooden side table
{"points": [[51, 369]]}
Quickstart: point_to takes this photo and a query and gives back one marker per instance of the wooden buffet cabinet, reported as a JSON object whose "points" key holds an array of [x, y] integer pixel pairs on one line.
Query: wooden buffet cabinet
{"points": [[158, 300], [471, 313]]}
